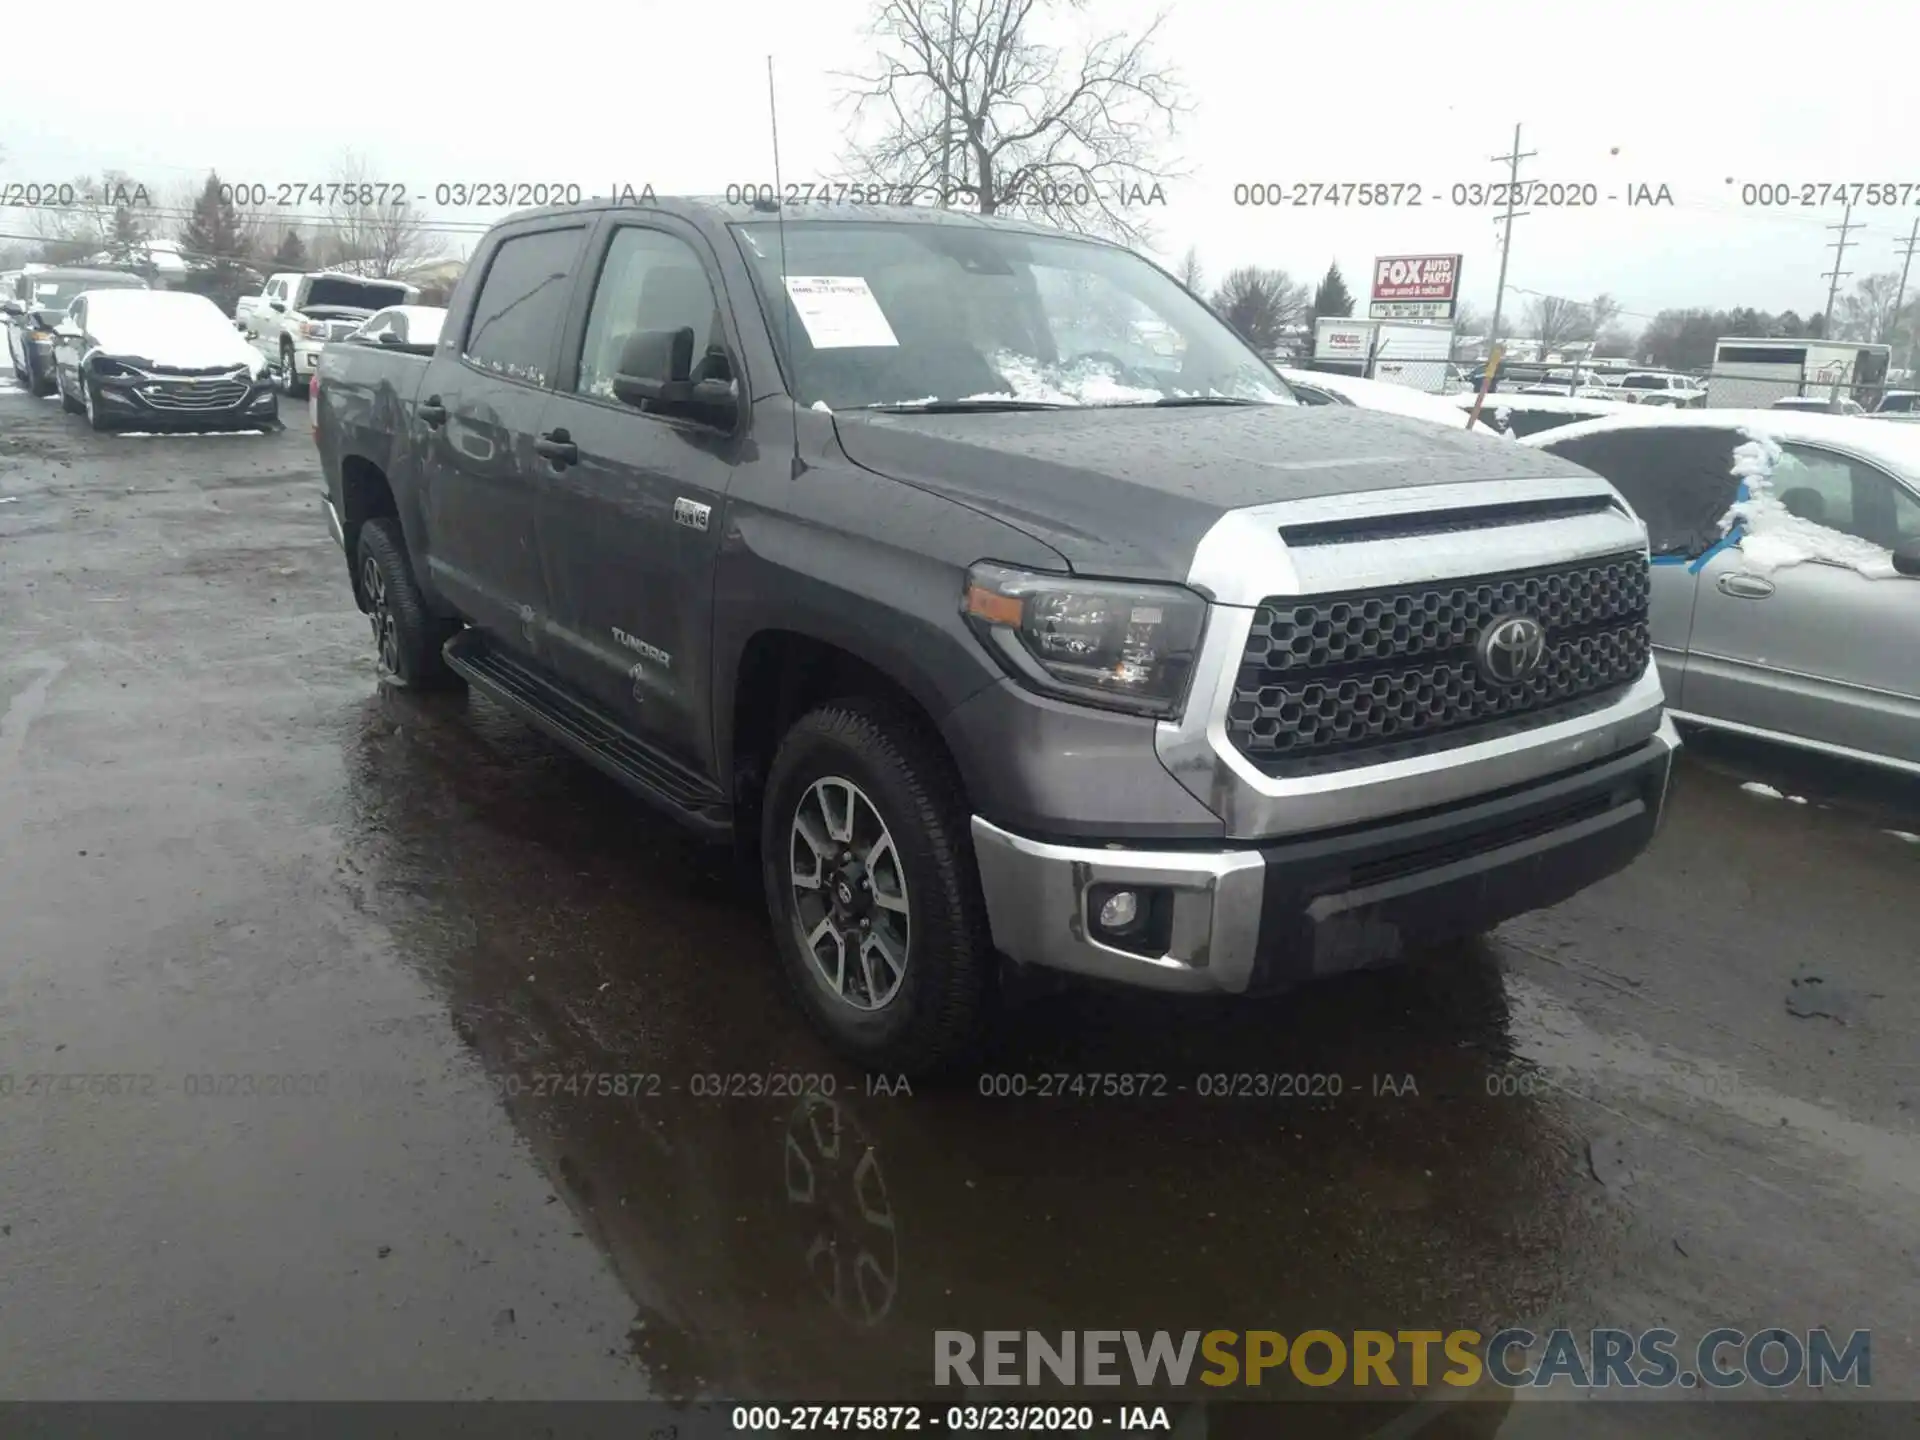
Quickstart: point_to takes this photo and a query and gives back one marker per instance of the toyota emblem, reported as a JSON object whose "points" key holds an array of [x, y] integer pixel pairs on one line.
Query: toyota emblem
{"points": [[1511, 649]]}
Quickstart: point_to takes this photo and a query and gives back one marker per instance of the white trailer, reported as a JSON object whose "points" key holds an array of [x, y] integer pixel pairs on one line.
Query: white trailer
{"points": [[1400, 352], [1752, 373]]}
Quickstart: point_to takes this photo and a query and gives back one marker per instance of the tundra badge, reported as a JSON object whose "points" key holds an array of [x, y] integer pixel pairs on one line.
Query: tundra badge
{"points": [[691, 513]]}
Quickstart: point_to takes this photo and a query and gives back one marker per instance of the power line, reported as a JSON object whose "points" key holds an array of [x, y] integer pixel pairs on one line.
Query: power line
{"points": [[1839, 247], [1506, 234]]}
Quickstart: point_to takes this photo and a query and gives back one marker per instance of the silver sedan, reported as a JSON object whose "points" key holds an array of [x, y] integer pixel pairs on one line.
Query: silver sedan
{"points": [[1786, 581]]}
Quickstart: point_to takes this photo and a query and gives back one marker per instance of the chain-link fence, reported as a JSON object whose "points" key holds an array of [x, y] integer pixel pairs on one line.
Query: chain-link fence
{"points": [[1764, 387]]}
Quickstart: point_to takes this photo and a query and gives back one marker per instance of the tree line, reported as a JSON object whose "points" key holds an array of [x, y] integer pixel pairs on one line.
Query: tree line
{"points": [[226, 248]]}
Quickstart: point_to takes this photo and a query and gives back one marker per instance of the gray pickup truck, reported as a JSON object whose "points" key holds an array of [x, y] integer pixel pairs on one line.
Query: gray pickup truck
{"points": [[1002, 599]]}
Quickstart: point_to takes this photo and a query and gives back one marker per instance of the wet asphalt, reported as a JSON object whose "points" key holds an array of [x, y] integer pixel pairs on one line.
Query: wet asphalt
{"points": [[351, 953]]}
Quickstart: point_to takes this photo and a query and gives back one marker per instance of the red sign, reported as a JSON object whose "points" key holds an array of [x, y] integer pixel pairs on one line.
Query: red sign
{"points": [[1415, 277]]}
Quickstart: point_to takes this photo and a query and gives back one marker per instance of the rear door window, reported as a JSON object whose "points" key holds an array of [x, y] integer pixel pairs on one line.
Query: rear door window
{"points": [[515, 326]]}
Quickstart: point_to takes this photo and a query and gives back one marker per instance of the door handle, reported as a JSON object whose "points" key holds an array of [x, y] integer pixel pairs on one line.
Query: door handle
{"points": [[558, 447], [432, 411], [1744, 587]]}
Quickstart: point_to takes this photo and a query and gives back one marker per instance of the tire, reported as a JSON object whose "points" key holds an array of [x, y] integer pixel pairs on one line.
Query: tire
{"points": [[37, 383], [934, 1012], [67, 402], [97, 420], [407, 637], [290, 370]]}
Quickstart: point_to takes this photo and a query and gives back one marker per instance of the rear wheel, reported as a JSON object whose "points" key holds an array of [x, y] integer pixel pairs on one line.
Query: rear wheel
{"points": [[406, 635], [289, 369], [867, 861]]}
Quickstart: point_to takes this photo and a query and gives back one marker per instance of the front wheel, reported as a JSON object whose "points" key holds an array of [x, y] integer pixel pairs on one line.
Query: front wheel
{"points": [[867, 860], [406, 635], [90, 403], [289, 369], [67, 402]]}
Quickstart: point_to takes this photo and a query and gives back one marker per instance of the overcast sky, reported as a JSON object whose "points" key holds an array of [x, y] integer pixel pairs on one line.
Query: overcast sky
{"points": [[1618, 93]]}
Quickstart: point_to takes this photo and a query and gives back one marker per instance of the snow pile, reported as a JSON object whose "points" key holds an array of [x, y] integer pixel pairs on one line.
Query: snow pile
{"points": [[1087, 381], [1755, 787], [1774, 536]]}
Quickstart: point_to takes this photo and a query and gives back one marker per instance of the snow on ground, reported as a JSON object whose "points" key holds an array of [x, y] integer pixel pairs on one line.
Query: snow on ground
{"points": [[1756, 787], [1906, 835], [1775, 537]]}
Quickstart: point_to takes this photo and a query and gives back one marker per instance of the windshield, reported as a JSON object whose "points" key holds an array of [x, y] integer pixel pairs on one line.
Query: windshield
{"points": [[57, 292], [156, 323], [917, 313], [347, 292]]}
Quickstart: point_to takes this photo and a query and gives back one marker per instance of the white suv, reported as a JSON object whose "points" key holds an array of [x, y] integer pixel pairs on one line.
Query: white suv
{"points": [[1662, 387], [295, 315]]}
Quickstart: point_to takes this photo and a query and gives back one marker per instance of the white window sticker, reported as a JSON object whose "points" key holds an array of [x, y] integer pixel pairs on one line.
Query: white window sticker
{"points": [[839, 311]]}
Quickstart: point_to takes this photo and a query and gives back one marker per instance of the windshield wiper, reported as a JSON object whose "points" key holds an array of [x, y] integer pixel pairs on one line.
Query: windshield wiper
{"points": [[1174, 401], [944, 407]]}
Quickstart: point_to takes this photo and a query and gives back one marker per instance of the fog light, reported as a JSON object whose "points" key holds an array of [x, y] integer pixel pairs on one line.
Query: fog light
{"points": [[1122, 908]]}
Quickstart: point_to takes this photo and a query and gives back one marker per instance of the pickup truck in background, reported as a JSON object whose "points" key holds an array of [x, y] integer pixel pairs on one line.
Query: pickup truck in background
{"points": [[880, 543], [295, 315]]}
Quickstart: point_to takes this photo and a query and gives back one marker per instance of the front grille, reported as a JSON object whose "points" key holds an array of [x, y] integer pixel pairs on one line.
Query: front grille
{"points": [[341, 329], [1332, 680], [205, 396]]}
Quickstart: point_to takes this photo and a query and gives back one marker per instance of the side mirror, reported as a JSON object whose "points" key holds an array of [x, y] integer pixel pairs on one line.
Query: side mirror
{"points": [[1907, 562], [277, 306], [656, 374], [12, 307], [388, 337]]}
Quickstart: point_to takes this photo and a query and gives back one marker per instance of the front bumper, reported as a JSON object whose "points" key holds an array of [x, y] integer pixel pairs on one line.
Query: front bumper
{"points": [[161, 402], [1268, 916]]}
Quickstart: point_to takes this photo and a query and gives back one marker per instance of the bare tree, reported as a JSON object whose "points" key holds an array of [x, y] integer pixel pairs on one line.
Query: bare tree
{"points": [[1599, 315], [1867, 313], [974, 108], [1190, 274], [1260, 303], [371, 238], [1553, 320]]}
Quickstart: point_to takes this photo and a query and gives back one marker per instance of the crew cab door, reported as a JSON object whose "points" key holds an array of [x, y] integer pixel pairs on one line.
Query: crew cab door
{"points": [[632, 517], [1817, 649], [477, 413]]}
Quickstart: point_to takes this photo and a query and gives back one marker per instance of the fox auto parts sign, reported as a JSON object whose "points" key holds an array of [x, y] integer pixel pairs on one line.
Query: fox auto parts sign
{"points": [[1415, 287]]}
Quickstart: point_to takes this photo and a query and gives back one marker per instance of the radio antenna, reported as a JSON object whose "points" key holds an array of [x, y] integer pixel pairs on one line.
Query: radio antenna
{"points": [[786, 295]]}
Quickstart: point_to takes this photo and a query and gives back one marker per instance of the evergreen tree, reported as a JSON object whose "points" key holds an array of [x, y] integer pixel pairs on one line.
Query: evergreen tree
{"points": [[212, 244], [127, 242], [292, 254], [1332, 297]]}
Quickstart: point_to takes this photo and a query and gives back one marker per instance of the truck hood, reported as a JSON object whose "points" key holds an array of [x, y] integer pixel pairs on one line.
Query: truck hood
{"points": [[1130, 492]]}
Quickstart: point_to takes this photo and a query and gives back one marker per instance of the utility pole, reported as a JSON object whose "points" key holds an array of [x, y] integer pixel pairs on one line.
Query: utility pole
{"points": [[1900, 295], [1839, 247], [946, 130], [1506, 237]]}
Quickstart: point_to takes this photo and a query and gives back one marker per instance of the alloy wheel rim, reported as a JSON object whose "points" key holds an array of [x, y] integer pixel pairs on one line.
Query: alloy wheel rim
{"points": [[373, 582], [851, 911]]}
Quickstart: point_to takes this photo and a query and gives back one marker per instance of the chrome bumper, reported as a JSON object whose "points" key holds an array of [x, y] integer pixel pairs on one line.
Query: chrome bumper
{"points": [[1037, 892]]}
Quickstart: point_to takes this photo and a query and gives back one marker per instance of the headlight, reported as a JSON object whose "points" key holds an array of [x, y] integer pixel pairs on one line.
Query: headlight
{"points": [[1117, 644], [314, 329], [105, 369]]}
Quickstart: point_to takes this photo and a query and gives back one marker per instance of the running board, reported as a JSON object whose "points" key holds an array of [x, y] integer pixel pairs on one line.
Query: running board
{"points": [[590, 733]]}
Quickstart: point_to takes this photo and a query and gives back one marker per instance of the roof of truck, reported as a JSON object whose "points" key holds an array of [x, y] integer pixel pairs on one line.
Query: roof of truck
{"points": [[715, 209]]}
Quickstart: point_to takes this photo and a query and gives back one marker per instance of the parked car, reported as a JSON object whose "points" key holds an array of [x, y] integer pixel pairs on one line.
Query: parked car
{"points": [[1660, 387], [295, 315], [159, 359], [1526, 412], [39, 299], [1797, 625], [993, 631], [1320, 387], [1899, 402], [402, 325], [1820, 404]]}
